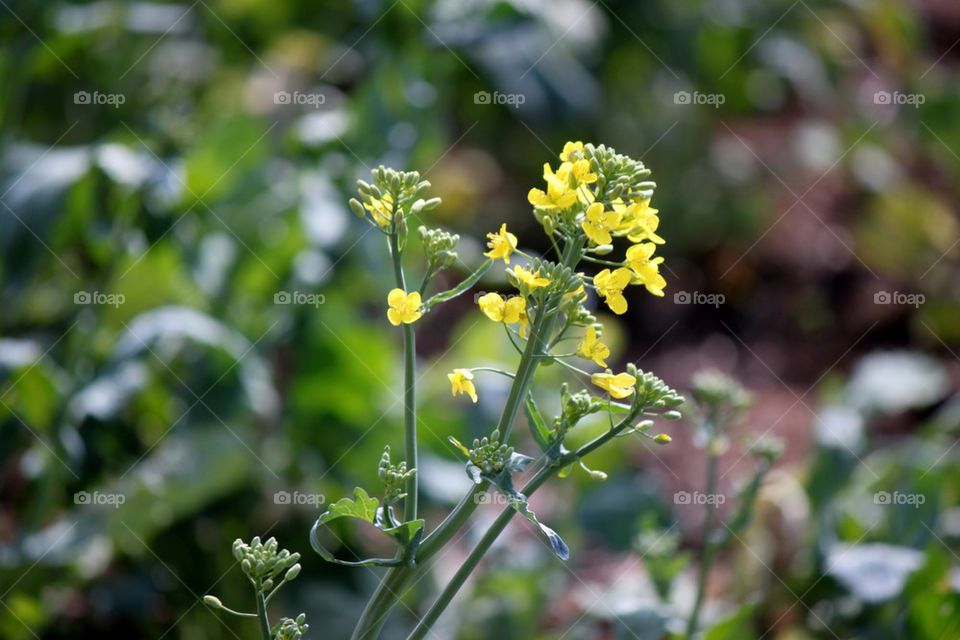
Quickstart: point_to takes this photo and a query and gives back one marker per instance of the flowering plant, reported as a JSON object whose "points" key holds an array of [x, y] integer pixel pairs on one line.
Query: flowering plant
{"points": [[594, 197]]}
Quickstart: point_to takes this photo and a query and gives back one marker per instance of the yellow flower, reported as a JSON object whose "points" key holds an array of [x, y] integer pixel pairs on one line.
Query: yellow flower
{"points": [[558, 195], [645, 268], [381, 209], [515, 310], [404, 307], [580, 172], [619, 386], [492, 305], [506, 311], [644, 222], [525, 276], [610, 286], [501, 244], [461, 381], [571, 151], [592, 349], [599, 223]]}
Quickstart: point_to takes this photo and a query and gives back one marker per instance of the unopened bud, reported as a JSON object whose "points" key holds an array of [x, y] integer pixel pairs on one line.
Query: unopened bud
{"points": [[212, 601], [603, 249], [662, 438]]}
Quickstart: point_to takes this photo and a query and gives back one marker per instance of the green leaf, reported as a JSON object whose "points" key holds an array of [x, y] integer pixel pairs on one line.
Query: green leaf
{"points": [[360, 506], [519, 503], [538, 427], [461, 288]]}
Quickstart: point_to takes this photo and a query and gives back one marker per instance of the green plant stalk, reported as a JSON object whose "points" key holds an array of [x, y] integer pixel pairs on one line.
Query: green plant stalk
{"points": [[543, 474], [409, 391], [262, 614], [386, 595], [708, 548]]}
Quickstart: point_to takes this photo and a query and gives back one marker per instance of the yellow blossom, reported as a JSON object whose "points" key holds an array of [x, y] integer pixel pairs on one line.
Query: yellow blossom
{"points": [[529, 278], [592, 349], [599, 223], [645, 268], [381, 209], [571, 151], [619, 386], [580, 172], [404, 307], [501, 244], [644, 222], [461, 381], [558, 195], [507, 311], [610, 286]]}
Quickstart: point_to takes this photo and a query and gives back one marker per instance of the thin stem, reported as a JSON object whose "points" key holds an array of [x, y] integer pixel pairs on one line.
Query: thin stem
{"points": [[385, 597], [708, 549], [493, 370], [262, 613], [472, 560], [409, 392]]}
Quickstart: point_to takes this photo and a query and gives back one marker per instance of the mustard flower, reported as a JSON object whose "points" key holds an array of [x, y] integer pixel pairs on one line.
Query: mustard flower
{"points": [[619, 386], [646, 269], [404, 307], [461, 381], [592, 348], [529, 278], [501, 245], [599, 223], [610, 286]]}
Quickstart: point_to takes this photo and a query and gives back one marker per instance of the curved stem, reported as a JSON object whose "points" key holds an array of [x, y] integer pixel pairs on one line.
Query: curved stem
{"points": [[707, 559]]}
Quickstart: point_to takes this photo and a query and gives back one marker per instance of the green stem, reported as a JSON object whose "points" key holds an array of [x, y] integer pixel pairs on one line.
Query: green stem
{"points": [[409, 392], [476, 555], [385, 597], [262, 614], [708, 549]]}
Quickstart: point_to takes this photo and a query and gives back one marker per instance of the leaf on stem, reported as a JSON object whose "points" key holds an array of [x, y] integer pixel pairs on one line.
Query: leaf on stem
{"points": [[363, 507]]}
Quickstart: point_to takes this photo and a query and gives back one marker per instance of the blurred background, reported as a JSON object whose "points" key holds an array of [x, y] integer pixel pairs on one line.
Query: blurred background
{"points": [[193, 348]]}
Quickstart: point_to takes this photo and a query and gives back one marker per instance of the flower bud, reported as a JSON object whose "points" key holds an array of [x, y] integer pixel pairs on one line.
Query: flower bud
{"points": [[662, 438], [213, 602]]}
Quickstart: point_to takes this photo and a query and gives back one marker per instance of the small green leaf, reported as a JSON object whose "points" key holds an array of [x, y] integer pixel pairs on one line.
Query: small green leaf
{"points": [[538, 427], [360, 506], [519, 503]]}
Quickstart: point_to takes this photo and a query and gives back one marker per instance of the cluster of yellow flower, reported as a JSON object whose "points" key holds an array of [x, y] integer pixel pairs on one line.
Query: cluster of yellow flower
{"points": [[577, 202], [574, 185]]}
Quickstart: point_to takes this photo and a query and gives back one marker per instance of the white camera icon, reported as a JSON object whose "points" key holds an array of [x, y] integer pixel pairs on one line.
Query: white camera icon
{"points": [[81, 97], [282, 97], [682, 97]]}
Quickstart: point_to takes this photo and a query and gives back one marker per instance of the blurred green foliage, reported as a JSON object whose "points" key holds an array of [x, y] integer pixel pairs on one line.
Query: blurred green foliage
{"points": [[158, 192]]}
